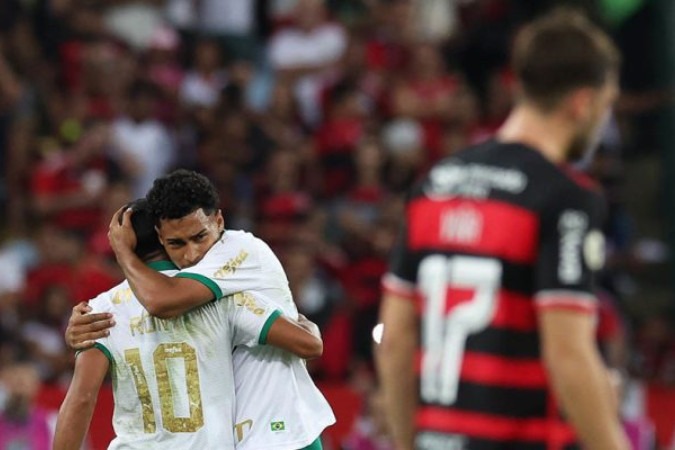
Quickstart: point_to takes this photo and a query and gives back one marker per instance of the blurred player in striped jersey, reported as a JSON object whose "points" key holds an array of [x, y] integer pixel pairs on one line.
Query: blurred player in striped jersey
{"points": [[492, 279]]}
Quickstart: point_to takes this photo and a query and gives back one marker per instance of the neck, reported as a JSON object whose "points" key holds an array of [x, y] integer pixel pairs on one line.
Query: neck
{"points": [[548, 133], [157, 256]]}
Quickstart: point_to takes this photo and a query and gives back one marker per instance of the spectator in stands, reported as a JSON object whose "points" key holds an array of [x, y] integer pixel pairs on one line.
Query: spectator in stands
{"points": [[22, 425], [315, 293], [337, 139], [282, 203], [305, 52], [204, 81], [64, 262], [69, 182], [403, 143], [162, 68], [43, 334], [143, 146], [427, 94], [369, 431]]}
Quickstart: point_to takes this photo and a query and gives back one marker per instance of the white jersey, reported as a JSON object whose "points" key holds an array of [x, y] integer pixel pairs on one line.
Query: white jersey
{"points": [[172, 379], [278, 405]]}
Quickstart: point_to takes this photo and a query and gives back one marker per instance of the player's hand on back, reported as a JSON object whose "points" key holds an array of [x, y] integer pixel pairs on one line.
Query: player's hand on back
{"points": [[308, 325], [84, 328]]}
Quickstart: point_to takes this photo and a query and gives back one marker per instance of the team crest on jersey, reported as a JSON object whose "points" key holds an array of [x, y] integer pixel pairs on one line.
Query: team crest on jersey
{"points": [[594, 250]]}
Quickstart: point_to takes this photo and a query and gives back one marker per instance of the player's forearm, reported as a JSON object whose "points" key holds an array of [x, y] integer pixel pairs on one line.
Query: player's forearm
{"points": [[295, 338], [160, 295], [397, 380], [581, 384], [309, 326], [73, 421]]}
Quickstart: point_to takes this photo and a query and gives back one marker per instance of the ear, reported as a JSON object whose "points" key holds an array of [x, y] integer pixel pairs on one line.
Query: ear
{"points": [[159, 235], [580, 103], [220, 221]]}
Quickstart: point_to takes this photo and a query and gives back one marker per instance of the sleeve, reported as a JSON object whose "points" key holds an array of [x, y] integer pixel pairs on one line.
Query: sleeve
{"points": [[401, 277], [101, 304], [251, 318], [571, 250], [230, 268]]}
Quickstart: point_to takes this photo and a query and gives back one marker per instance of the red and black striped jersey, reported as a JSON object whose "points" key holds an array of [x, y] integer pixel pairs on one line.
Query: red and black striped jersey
{"points": [[491, 236]]}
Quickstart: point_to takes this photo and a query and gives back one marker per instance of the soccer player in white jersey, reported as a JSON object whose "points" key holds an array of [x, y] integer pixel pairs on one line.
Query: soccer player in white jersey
{"points": [[278, 405], [173, 380]]}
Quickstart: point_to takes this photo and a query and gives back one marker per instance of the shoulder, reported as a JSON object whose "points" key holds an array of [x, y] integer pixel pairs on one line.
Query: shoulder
{"points": [[104, 301], [571, 197], [232, 249], [242, 240]]}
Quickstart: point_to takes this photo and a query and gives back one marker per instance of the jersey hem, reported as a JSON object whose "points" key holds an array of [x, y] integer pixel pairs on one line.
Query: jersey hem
{"points": [[295, 445], [568, 300], [575, 307], [393, 284], [210, 284]]}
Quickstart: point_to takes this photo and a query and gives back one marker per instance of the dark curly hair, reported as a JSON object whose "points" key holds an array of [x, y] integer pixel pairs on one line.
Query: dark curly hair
{"points": [[143, 223], [180, 193]]}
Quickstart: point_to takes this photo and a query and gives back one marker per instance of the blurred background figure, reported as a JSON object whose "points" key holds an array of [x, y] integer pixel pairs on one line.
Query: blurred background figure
{"points": [[313, 118], [23, 425]]}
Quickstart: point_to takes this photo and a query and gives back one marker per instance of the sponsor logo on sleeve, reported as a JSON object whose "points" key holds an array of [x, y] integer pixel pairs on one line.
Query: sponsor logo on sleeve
{"points": [[231, 266], [249, 302], [572, 227]]}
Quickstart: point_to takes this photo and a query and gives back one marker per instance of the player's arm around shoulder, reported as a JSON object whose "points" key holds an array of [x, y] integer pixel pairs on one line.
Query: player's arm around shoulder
{"points": [[78, 407], [163, 296], [256, 321], [225, 270]]}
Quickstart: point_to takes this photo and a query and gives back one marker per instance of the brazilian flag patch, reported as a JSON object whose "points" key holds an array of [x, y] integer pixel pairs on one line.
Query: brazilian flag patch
{"points": [[278, 426]]}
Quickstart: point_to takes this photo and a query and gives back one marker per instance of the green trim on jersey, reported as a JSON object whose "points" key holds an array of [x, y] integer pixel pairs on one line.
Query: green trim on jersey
{"points": [[103, 350], [316, 445], [262, 340], [213, 287], [162, 265]]}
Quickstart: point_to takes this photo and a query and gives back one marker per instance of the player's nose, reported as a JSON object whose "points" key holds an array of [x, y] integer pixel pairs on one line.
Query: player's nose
{"points": [[192, 256]]}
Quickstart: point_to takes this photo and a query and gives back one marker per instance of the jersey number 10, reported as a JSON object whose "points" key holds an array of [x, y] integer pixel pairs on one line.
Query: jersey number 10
{"points": [[445, 329], [169, 420]]}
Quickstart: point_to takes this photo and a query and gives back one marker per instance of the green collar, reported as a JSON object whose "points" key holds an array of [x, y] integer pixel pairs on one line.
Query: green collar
{"points": [[162, 265]]}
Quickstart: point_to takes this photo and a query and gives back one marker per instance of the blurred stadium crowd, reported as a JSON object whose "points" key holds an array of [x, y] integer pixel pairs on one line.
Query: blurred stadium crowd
{"points": [[312, 120]]}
